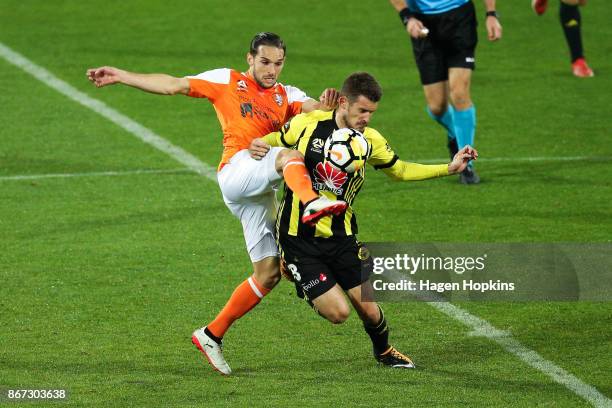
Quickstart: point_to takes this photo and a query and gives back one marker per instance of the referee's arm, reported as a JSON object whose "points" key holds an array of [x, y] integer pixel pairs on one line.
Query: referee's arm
{"points": [[494, 28], [414, 26]]}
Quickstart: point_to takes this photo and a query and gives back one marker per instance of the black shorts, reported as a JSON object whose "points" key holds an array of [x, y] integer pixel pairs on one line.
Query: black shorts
{"points": [[317, 264], [451, 43]]}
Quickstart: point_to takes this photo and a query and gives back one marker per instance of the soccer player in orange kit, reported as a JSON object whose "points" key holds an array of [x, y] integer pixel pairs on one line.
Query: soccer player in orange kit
{"points": [[248, 105]]}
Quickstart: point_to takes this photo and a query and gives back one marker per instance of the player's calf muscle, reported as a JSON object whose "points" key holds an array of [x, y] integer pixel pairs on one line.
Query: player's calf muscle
{"points": [[436, 96], [267, 272]]}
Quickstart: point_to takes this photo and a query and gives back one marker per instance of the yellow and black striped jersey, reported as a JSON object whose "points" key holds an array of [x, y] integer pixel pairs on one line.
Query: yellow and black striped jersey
{"points": [[307, 133]]}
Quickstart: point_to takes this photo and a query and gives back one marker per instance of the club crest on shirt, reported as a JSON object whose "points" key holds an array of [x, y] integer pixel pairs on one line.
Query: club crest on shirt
{"points": [[278, 99]]}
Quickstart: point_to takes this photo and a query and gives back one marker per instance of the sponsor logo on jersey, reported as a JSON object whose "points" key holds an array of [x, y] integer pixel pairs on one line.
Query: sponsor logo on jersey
{"points": [[323, 277], [317, 145], [469, 59], [311, 284], [278, 99], [329, 178], [242, 86], [246, 109]]}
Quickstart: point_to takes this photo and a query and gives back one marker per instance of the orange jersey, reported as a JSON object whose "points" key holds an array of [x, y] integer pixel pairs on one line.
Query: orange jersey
{"points": [[245, 110]]}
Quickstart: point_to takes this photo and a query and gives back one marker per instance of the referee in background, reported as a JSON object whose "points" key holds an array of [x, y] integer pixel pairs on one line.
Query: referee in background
{"points": [[443, 34]]}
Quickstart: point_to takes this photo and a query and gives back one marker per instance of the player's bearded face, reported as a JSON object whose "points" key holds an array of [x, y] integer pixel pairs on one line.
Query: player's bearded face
{"points": [[266, 66], [359, 113]]}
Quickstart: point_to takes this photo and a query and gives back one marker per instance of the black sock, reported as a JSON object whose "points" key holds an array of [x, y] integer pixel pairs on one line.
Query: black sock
{"points": [[570, 21], [379, 334], [212, 336]]}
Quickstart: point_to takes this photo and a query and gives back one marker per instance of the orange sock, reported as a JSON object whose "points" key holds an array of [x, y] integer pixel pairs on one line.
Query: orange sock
{"points": [[245, 297], [298, 180]]}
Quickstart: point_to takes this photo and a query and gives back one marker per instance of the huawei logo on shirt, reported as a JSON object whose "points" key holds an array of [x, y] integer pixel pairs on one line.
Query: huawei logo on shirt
{"points": [[329, 178]]}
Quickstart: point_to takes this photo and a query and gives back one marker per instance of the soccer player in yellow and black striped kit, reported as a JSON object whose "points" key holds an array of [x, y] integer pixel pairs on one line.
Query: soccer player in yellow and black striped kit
{"points": [[325, 260]]}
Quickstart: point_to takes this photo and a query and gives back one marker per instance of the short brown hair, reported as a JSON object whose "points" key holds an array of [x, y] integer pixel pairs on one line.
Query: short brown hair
{"points": [[361, 83], [266, 38]]}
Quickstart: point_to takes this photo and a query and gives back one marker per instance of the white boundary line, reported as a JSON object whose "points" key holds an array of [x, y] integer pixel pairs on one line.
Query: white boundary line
{"points": [[528, 159], [481, 327], [177, 153], [133, 127], [121, 173], [93, 174]]}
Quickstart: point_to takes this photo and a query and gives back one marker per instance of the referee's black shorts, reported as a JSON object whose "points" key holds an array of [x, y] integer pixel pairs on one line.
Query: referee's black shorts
{"points": [[317, 264], [451, 43]]}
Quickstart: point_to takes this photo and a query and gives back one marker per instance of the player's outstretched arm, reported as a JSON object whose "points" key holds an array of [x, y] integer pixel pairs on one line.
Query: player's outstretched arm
{"points": [[405, 171], [161, 84]]}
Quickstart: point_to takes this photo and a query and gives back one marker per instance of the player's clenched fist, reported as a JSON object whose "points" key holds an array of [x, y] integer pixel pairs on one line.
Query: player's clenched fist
{"points": [[104, 76]]}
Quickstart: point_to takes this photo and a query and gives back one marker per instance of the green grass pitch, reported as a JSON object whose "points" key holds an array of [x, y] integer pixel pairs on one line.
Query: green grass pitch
{"points": [[103, 278]]}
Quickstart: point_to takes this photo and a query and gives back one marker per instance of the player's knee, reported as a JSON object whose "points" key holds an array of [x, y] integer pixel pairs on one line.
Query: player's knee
{"points": [[437, 109], [339, 314], [285, 155], [267, 273]]}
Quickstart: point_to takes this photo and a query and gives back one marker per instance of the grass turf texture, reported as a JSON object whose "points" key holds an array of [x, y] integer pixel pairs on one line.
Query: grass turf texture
{"points": [[104, 278]]}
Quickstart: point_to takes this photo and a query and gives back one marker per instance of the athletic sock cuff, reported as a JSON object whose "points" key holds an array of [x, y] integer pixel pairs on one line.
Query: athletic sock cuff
{"points": [[212, 336], [382, 323], [257, 287], [294, 162]]}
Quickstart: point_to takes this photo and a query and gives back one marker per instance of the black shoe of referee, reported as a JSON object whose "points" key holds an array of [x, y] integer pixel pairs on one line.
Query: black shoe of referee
{"points": [[469, 176]]}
